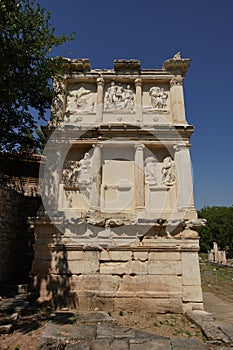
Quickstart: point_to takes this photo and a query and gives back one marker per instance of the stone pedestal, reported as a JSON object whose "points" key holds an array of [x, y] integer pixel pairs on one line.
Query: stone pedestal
{"points": [[162, 274]]}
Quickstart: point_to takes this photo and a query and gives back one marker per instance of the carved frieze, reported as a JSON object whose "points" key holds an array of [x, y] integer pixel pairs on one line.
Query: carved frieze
{"points": [[81, 100], [158, 98], [155, 99], [119, 98]]}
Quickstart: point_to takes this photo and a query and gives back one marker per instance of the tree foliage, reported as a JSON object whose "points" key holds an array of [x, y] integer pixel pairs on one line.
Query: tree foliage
{"points": [[26, 38], [219, 227]]}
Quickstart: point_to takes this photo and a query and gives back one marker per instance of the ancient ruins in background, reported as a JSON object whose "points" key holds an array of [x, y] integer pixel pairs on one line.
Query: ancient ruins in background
{"points": [[118, 228]]}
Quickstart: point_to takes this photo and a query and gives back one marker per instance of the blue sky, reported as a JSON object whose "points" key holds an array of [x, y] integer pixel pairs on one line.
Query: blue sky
{"points": [[153, 31]]}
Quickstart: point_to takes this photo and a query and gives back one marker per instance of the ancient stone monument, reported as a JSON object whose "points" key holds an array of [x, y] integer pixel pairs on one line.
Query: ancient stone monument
{"points": [[118, 228]]}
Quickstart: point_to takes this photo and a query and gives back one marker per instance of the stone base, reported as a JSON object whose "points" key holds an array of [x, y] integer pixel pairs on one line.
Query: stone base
{"points": [[162, 275]]}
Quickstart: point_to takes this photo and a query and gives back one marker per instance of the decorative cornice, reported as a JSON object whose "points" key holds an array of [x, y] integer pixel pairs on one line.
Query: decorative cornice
{"points": [[177, 65], [127, 65], [80, 65]]}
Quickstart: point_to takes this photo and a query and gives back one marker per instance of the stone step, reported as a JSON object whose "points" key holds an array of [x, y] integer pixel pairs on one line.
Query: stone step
{"points": [[18, 304]]}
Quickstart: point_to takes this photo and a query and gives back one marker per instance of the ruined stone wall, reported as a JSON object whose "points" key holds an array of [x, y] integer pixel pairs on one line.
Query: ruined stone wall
{"points": [[19, 199], [16, 240]]}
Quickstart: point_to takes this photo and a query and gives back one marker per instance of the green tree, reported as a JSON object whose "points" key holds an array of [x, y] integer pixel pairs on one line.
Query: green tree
{"points": [[219, 227], [26, 72]]}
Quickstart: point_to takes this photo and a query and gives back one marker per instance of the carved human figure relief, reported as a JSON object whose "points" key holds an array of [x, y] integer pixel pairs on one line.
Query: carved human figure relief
{"points": [[119, 98], [78, 174], [150, 170], [168, 171], [84, 178], [70, 173], [80, 100], [158, 97]]}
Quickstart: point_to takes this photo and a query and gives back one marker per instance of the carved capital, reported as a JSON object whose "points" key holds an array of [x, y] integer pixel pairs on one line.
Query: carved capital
{"points": [[179, 147], [176, 81], [138, 82], [139, 147], [100, 81], [97, 145]]}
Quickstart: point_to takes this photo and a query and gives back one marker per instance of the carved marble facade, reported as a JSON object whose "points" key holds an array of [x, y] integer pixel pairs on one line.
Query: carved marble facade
{"points": [[119, 182]]}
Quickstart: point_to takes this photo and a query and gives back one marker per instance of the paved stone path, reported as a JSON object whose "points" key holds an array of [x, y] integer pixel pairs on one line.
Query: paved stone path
{"points": [[220, 309], [98, 331]]}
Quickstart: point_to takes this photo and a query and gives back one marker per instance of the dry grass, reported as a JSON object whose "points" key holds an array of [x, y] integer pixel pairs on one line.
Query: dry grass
{"points": [[217, 279]]}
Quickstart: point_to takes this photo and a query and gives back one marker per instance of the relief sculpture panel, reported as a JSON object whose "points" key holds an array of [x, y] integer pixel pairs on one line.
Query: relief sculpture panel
{"points": [[81, 99], [78, 175], [155, 99], [158, 97], [119, 98], [160, 174]]}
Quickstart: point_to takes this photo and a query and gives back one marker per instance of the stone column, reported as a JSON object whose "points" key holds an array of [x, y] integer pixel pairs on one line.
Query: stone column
{"points": [[100, 99], [138, 99], [52, 177], [139, 181], [177, 100], [224, 258], [216, 252], [96, 171], [184, 177]]}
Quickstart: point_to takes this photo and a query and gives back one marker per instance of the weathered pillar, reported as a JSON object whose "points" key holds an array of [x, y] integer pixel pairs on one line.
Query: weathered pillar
{"points": [[138, 99], [184, 177], [139, 181], [224, 258], [100, 99], [96, 171], [177, 100], [52, 177], [216, 252]]}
